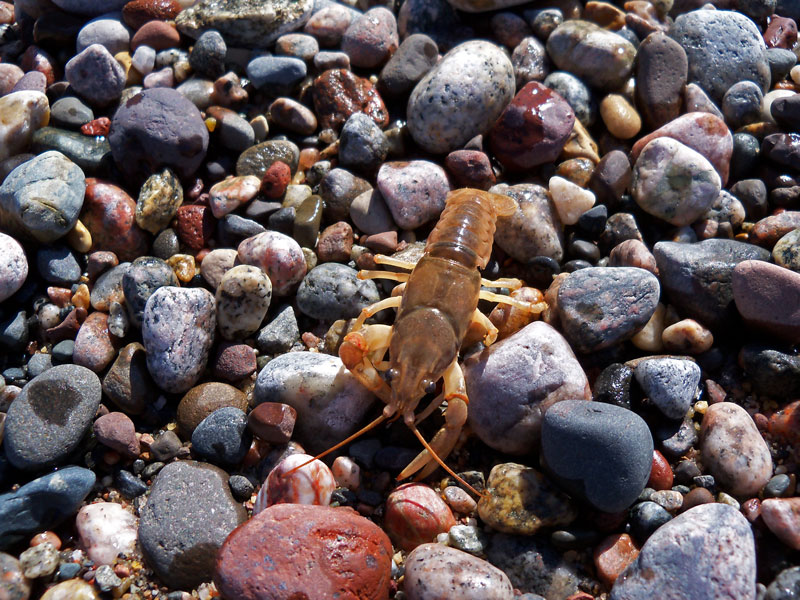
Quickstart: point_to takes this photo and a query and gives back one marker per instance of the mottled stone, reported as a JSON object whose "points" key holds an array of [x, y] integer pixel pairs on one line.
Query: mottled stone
{"points": [[177, 332], [96, 75], [48, 419], [257, 159], [521, 500], [297, 479], [661, 72], [371, 39], [23, 113], [159, 198], [768, 298], [279, 256], [108, 214], [338, 93], [140, 280], [414, 191], [769, 230], [106, 529], [188, 515], [534, 229], [706, 552], [416, 514], [242, 300], [202, 400], [513, 382], [94, 345], [13, 266], [460, 97], [669, 383], [782, 516], [733, 450], [333, 291]]}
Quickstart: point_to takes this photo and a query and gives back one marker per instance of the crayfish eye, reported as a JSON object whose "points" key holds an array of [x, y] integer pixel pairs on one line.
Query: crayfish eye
{"points": [[428, 386], [390, 374]]}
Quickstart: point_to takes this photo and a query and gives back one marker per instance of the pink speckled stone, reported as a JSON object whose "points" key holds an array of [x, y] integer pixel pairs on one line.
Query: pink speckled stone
{"points": [[13, 266], [782, 516], [227, 195], [279, 256], [94, 346], [311, 484], [414, 191]]}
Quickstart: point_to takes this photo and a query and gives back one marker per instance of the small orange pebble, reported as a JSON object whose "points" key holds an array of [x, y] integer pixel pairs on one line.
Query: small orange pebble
{"points": [[308, 156], [661, 476], [785, 423], [59, 296], [81, 298], [612, 555], [99, 126], [46, 537]]}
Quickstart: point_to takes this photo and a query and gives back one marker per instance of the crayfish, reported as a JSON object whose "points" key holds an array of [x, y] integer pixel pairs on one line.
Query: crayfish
{"points": [[437, 303]]}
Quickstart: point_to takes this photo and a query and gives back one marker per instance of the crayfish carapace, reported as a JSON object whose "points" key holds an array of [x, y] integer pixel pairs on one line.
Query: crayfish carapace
{"points": [[437, 303]]}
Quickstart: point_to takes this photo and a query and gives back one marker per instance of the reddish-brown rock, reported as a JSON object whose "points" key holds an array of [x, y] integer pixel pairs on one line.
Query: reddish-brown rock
{"points": [[99, 126], [769, 230], [782, 516], [109, 215], [338, 93], [36, 59], [470, 168], [94, 346], [277, 177], [533, 129], [117, 431], [781, 32], [785, 424], [138, 12], [660, 473], [202, 400], [416, 514], [613, 555], [273, 422], [159, 35], [768, 298], [234, 362], [335, 243], [304, 551], [68, 328], [702, 132], [195, 226]]}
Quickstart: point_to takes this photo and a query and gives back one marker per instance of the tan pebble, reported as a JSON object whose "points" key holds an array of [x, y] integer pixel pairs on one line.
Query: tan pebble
{"points": [[74, 589], [633, 253], [183, 266], [132, 76], [81, 298], [79, 238], [260, 128], [604, 14], [580, 144], [687, 337], [346, 473], [571, 201], [459, 500], [649, 338], [795, 74], [620, 117]]}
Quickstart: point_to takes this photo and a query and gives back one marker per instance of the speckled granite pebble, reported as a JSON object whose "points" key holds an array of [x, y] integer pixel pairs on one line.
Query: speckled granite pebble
{"points": [[13, 266], [242, 299], [669, 383], [332, 291], [177, 332], [414, 191], [279, 256]]}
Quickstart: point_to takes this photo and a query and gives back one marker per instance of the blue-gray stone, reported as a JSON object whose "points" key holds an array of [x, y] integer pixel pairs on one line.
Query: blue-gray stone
{"points": [[281, 71], [90, 153], [645, 518], [600, 453], [129, 485], [58, 265], [362, 144], [14, 332], [70, 113], [280, 333], [669, 383], [222, 437], [140, 281], [39, 363], [43, 503], [208, 55], [333, 291], [49, 418]]}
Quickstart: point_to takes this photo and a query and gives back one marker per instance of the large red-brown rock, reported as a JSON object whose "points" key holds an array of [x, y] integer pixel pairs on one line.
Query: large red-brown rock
{"points": [[338, 94], [702, 132], [108, 213], [769, 230], [138, 12], [768, 297], [416, 514], [95, 348], [781, 32], [533, 129], [302, 552]]}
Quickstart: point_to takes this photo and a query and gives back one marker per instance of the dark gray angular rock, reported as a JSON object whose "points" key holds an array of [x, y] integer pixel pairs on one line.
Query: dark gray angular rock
{"points": [[280, 333], [208, 55], [14, 332], [189, 513], [140, 281], [723, 48], [706, 552], [58, 265], [158, 128], [49, 418], [333, 291], [669, 383], [362, 144], [697, 277], [413, 59], [222, 437], [773, 372], [90, 153], [600, 453], [43, 503], [602, 306]]}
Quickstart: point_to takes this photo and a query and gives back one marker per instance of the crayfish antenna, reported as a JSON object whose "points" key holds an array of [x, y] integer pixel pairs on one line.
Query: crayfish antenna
{"points": [[444, 466], [344, 442]]}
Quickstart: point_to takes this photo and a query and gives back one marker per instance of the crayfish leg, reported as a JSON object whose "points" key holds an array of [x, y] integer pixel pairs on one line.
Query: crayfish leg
{"points": [[364, 274], [500, 298], [354, 352], [367, 312], [482, 321], [512, 283], [382, 259]]}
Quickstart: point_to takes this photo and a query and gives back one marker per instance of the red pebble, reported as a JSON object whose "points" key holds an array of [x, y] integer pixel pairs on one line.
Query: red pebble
{"points": [[660, 473], [335, 243], [195, 226], [613, 555], [108, 213], [415, 514], [470, 168], [751, 509], [99, 262], [156, 34], [46, 537], [234, 362], [785, 423], [781, 32], [59, 296], [272, 422], [276, 179], [99, 126]]}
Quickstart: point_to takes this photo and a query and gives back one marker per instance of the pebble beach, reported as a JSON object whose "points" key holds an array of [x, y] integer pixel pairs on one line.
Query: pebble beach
{"points": [[188, 192]]}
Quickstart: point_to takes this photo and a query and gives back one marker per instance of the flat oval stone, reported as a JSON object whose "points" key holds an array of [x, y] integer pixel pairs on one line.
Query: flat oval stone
{"points": [[673, 182], [189, 513], [244, 23], [90, 152], [242, 299], [532, 129], [781, 516], [697, 277], [43, 503], [535, 229], [513, 382], [49, 418], [13, 266], [42, 198], [733, 450], [94, 346], [329, 401], [178, 331], [333, 291], [437, 571], [706, 552], [768, 298], [723, 48], [661, 72], [521, 501], [309, 551], [461, 97], [602, 306], [23, 113], [601, 58], [598, 452]]}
